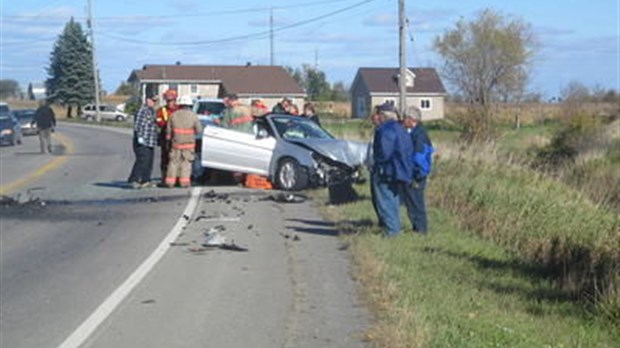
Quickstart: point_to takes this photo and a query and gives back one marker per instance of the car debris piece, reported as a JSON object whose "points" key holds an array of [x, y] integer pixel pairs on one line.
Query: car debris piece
{"points": [[178, 244], [232, 247], [287, 198], [214, 236]]}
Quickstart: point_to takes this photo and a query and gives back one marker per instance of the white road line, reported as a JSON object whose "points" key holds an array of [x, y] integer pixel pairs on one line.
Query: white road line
{"points": [[81, 334]]}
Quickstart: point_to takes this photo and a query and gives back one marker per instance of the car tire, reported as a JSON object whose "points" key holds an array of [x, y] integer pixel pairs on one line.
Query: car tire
{"points": [[120, 118], [290, 175], [89, 118]]}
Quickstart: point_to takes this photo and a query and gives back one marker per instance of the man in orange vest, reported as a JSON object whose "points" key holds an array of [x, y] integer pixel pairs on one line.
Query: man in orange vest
{"points": [[181, 132], [161, 118]]}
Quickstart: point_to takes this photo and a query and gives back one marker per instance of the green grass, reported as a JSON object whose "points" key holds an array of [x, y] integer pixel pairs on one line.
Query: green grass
{"points": [[455, 288], [519, 141]]}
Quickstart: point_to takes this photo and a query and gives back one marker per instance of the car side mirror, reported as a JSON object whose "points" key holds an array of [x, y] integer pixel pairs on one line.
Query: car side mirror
{"points": [[262, 134]]}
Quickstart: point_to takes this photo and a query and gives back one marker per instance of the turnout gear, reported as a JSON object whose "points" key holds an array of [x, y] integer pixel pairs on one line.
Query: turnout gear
{"points": [[181, 132]]}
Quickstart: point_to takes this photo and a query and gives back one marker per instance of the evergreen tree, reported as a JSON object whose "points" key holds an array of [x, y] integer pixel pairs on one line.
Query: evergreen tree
{"points": [[70, 82]]}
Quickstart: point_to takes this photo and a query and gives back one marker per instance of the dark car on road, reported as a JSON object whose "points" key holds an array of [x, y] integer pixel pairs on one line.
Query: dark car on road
{"points": [[10, 131], [25, 117]]}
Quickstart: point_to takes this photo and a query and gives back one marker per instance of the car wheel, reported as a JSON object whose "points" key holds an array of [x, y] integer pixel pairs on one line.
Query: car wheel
{"points": [[90, 118], [290, 176], [120, 118]]}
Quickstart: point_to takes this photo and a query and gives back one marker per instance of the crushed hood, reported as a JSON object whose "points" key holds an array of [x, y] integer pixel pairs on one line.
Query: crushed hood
{"points": [[351, 153]]}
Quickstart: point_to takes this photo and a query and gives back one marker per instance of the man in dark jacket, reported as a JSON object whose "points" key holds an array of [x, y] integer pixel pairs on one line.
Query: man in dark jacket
{"points": [[45, 121], [392, 167], [422, 158]]}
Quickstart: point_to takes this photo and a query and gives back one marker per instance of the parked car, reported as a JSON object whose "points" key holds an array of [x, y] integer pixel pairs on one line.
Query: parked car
{"points": [[209, 110], [4, 109], [293, 152], [106, 112], [10, 131], [25, 117]]}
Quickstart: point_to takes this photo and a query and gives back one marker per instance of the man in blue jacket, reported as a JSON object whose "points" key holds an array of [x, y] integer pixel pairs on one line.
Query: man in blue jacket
{"points": [[422, 160], [392, 168]]}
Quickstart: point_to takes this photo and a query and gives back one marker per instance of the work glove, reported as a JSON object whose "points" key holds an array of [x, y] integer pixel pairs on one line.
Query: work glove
{"points": [[141, 141]]}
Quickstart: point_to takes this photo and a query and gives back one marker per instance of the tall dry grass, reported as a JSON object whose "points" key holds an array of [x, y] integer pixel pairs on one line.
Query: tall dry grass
{"points": [[571, 240]]}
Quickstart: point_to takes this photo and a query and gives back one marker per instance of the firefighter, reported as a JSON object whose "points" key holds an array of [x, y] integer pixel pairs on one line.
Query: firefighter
{"points": [[237, 116], [181, 132], [162, 118]]}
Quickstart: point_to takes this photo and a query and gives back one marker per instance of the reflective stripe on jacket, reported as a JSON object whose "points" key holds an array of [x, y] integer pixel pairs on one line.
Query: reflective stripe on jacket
{"points": [[182, 128]]}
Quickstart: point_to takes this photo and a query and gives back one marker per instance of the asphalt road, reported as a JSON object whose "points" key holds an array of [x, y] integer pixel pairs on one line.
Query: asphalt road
{"points": [[76, 236]]}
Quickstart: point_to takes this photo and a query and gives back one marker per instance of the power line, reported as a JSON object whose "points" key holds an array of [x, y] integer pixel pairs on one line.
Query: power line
{"points": [[198, 14], [257, 35]]}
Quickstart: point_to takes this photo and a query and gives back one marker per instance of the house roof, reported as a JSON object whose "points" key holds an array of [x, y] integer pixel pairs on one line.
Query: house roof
{"points": [[384, 80], [251, 79]]}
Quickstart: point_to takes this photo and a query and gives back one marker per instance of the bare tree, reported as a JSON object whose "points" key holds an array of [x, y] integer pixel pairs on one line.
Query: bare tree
{"points": [[487, 59]]}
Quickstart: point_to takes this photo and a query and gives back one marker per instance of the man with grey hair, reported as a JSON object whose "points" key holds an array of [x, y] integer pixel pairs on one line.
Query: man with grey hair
{"points": [[413, 194], [392, 168]]}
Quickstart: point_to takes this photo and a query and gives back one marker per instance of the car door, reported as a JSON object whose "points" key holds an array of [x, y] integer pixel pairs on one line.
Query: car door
{"points": [[231, 150]]}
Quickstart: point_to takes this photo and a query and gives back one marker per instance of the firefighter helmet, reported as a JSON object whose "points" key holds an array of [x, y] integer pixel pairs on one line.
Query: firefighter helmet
{"points": [[170, 94]]}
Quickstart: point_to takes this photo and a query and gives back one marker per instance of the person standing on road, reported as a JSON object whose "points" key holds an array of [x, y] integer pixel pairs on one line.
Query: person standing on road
{"points": [[45, 121], [181, 131], [237, 116], [422, 158], [144, 142], [162, 117], [392, 168]]}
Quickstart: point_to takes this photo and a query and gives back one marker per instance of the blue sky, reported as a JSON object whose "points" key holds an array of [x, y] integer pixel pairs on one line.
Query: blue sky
{"points": [[579, 39]]}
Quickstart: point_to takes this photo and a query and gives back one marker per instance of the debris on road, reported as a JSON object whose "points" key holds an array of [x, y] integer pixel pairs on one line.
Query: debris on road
{"points": [[178, 244], [287, 198]]}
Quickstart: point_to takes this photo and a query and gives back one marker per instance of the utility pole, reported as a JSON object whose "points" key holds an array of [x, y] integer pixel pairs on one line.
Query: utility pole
{"points": [[271, 36], [402, 80], [316, 59], [95, 73]]}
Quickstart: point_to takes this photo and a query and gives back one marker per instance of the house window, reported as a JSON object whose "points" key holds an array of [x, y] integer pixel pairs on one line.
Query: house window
{"points": [[193, 89], [390, 101], [174, 86], [425, 104]]}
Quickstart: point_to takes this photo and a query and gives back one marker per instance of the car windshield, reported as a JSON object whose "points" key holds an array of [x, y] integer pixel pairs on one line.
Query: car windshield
{"points": [[6, 122], [24, 114], [298, 127], [210, 108], [4, 110]]}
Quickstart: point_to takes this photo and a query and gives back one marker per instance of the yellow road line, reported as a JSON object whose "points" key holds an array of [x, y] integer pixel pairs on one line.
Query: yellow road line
{"points": [[54, 163]]}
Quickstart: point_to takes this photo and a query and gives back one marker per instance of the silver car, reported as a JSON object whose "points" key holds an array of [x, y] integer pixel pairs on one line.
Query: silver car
{"points": [[106, 112], [292, 151]]}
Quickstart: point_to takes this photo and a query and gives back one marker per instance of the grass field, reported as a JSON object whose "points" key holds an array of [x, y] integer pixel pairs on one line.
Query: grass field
{"points": [[456, 288], [515, 258]]}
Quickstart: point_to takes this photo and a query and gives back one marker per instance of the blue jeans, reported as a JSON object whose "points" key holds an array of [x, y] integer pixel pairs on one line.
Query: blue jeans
{"points": [[387, 200], [413, 195]]}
